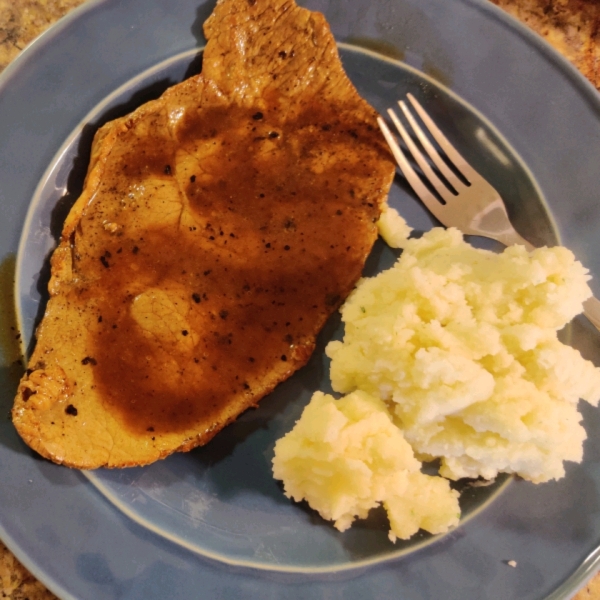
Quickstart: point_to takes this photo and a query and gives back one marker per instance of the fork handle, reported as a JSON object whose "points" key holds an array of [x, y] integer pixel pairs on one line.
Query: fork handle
{"points": [[508, 238], [591, 307]]}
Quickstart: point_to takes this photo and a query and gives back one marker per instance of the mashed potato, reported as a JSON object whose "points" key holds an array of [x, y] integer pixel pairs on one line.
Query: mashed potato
{"points": [[453, 354], [462, 346], [346, 456], [392, 227]]}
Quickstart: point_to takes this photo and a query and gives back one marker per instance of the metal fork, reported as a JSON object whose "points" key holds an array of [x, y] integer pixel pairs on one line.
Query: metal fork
{"points": [[475, 207]]}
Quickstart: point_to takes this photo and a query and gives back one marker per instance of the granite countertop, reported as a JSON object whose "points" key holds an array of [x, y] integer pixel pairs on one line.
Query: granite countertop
{"points": [[571, 26]]}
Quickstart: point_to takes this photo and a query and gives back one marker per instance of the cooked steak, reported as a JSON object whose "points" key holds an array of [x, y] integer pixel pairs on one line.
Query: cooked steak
{"points": [[218, 229]]}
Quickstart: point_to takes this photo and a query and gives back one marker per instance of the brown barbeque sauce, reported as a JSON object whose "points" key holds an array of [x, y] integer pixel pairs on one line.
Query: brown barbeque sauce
{"points": [[261, 233]]}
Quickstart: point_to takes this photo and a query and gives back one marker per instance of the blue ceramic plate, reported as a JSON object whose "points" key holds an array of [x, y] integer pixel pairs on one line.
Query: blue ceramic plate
{"points": [[213, 523]]}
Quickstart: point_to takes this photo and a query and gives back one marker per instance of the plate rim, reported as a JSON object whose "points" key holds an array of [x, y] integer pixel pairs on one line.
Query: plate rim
{"points": [[589, 566]]}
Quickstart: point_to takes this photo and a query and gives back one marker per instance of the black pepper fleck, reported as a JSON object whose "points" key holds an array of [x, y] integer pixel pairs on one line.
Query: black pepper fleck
{"points": [[331, 299], [27, 393], [71, 410]]}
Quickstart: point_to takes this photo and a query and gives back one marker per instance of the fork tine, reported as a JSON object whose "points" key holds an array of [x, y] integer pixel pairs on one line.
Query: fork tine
{"points": [[429, 173], [451, 152], [409, 173], [434, 155]]}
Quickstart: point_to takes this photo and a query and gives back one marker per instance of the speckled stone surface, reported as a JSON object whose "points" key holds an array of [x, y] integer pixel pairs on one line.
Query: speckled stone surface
{"points": [[16, 582], [571, 26], [23, 20]]}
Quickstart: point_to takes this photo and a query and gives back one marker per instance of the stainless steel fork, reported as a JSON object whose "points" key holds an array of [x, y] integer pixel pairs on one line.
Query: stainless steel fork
{"points": [[474, 207]]}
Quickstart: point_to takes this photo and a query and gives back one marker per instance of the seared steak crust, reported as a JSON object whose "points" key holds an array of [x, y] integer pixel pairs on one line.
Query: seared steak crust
{"points": [[219, 227]]}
